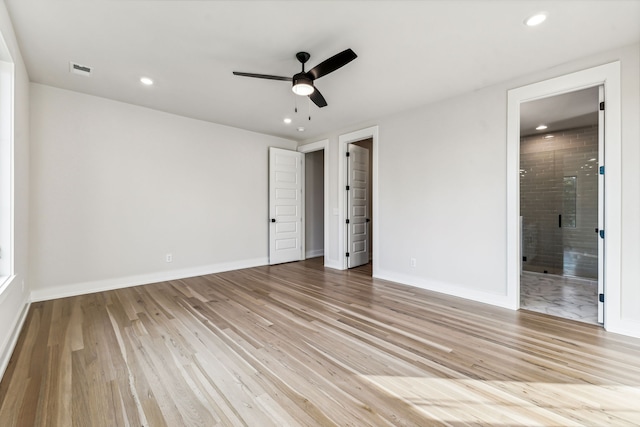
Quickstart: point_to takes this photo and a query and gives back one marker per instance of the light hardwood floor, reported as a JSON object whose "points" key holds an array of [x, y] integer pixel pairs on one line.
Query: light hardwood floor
{"points": [[299, 345]]}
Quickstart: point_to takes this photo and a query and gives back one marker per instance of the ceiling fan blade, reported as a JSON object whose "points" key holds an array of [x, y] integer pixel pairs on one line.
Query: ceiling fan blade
{"points": [[317, 98], [332, 64], [262, 76]]}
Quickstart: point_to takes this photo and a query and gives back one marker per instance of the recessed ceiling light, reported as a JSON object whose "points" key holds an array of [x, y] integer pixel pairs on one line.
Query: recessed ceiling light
{"points": [[593, 159], [548, 137], [300, 129], [541, 127], [287, 120], [146, 81], [536, 19]]}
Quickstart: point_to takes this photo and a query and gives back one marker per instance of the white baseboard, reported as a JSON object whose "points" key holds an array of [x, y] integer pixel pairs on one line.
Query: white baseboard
{"points": [[313, 253], [446, 288], [142, 279], [333, 264], [630, 328], [7, 350]]}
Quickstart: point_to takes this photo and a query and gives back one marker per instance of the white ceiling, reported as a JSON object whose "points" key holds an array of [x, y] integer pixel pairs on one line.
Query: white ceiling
{"points": [[409, 53], [566, 111]]}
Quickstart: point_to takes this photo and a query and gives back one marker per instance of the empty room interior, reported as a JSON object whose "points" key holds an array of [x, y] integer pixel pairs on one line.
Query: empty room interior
{"points": [[319, 213]]}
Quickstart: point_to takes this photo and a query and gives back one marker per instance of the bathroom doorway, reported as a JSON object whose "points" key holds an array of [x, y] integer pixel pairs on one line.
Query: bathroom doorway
{"points": [[561, 207]]}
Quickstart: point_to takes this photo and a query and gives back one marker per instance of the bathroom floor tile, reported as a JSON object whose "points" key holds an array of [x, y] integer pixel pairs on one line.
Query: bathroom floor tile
{"points": [[568, 297]]}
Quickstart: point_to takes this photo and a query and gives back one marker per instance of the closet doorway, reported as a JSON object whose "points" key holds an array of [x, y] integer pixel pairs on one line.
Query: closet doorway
{"points": [[365, 208], [316, 201]]}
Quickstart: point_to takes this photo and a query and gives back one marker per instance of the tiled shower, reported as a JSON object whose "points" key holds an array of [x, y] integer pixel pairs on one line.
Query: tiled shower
{"points": [[559, 202]]}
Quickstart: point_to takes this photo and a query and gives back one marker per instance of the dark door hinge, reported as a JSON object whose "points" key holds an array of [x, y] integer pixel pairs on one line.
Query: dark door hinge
{"points": [[601, 297], [347, 187], [347, 254], [348, 154], [601, 170], [602, 234], [347, 220], [602, 106]]}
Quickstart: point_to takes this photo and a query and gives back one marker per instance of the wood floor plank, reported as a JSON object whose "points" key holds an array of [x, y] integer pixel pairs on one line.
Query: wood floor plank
{"points": [[300, 345]]}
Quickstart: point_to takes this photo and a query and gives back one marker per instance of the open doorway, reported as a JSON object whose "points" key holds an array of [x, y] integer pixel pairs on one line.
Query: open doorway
{"points": [[362, 141], [561, 204], [607, 76], [360, 205], [314, 204]]}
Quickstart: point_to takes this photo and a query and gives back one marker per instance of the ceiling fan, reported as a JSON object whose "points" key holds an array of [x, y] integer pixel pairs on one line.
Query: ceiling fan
{"points": [[303, 81]]}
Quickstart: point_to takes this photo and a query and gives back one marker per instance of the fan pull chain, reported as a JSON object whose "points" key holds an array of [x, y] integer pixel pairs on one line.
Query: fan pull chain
{"points": [[295, 103], [309, 107]]}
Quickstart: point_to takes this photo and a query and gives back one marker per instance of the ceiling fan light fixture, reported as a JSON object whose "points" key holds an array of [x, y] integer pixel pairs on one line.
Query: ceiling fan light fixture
{"points": [[302, 85], [302, 89]]}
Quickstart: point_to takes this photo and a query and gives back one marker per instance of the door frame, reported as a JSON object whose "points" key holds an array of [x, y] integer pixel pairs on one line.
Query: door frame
{"points": [[310, 148], [343, 146], [607, 75]]}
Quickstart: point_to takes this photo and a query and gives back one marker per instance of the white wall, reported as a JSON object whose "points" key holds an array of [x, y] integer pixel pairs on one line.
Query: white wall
{"points": [[115, 187], [314, 204], [14, 298], [442, 189]]}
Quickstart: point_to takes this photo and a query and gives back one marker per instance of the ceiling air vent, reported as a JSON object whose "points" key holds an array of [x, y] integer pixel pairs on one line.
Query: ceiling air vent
{"points": [[83, 70]]}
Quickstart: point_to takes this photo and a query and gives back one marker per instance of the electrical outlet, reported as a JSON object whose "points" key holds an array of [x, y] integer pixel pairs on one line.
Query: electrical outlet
{"points": [[412, 262], [169, 258]]}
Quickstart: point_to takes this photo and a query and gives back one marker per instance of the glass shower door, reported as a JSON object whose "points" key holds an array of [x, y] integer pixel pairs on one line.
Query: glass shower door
{"points": [[559, 206]]}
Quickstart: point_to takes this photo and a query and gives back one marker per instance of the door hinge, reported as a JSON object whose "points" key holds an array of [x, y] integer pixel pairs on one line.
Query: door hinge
{"points": [[601, 297], [348, 154], [602, 234], [601, 170], [602, 106], [347, 220], [347, 254], [347, 187]]}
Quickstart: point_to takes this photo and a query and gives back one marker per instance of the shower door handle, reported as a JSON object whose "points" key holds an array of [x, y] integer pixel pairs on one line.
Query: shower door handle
{"points": [[560, 221]]}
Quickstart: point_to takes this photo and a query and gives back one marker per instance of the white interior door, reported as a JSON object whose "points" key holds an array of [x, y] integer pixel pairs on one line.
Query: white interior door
{"points": [[601, 159], [358, 206], [286, 174]]}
